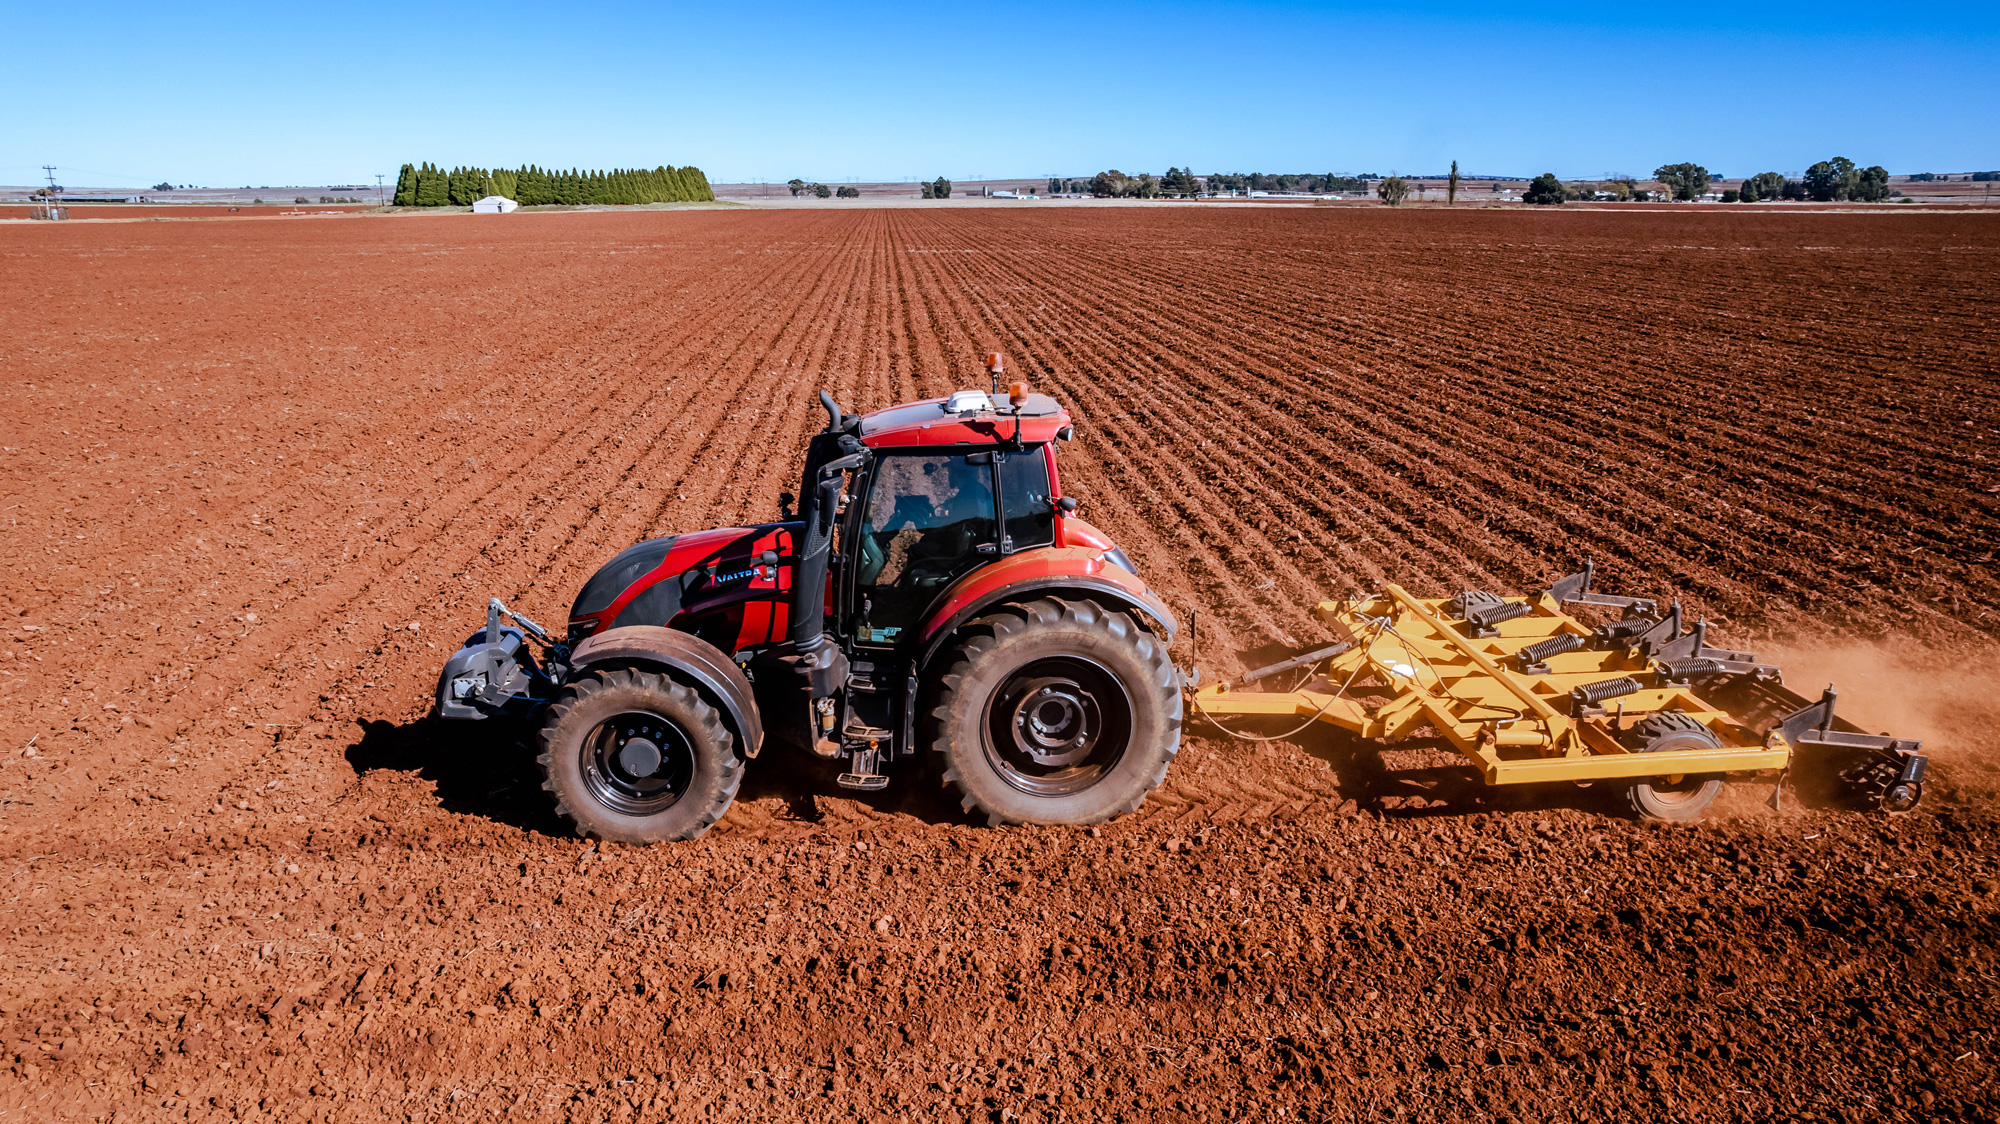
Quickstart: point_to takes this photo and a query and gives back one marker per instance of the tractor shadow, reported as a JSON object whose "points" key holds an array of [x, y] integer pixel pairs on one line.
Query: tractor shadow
{"points": [[485, 769], [1427, 778], [805, 787]]}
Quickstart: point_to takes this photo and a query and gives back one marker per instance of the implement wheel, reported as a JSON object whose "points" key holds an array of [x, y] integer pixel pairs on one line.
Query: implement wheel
{"points": [[1057, 712], [634, 757], [1677, 798]]}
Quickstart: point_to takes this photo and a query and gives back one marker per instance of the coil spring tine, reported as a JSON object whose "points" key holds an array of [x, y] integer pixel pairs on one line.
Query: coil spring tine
{"points": [[1591, 694], [1487, 618], [1537, 654], [1679, 671]]}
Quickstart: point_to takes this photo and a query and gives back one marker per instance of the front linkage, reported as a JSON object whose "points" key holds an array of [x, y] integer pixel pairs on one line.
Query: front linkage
{"points": [[496, 673]]}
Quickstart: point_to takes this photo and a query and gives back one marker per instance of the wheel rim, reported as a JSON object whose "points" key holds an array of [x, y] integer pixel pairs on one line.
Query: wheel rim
{"points": [[637, 763], [1681, 789], [1677, 789], [1057, 726]]}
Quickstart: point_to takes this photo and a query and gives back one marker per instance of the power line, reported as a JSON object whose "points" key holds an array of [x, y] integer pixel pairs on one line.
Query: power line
{"points": [[131, 180]]}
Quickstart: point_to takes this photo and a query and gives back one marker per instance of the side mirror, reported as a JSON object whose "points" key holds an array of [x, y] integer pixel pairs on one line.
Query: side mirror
{"points": [[1067, 503]]}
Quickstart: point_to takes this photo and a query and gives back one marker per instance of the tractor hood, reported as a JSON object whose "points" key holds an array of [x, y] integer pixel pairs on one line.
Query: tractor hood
{"points": [[652, 582]]}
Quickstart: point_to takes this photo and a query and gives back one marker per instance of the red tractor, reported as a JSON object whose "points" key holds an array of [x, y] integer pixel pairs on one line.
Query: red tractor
{"points": [[933, 590]]}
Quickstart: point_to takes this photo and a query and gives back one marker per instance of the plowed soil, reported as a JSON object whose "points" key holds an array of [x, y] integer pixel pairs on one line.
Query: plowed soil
{"points": [[257, 479]]}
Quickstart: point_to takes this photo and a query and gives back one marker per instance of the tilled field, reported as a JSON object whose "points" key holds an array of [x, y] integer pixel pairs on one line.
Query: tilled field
{"points": [[257, 479]]}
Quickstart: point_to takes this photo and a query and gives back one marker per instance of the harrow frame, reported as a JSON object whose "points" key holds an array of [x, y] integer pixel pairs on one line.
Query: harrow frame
{"points": [[1528, 693]]}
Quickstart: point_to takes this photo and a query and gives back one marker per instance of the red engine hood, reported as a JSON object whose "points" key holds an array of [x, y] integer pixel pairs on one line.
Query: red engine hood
{"points": [[652, 582]]}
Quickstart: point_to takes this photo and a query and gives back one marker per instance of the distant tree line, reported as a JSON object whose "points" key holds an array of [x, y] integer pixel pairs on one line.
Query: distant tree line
{"points": [[1183, 183], [1180, 183], [1837, 180], [939, 188], [1546, 190], [427, 185], [819, 190], [1114, 184], [1685, 182], [1324, 183]]}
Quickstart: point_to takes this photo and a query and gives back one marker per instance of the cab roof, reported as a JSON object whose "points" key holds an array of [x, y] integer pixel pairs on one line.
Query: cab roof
{"points": [[969, 417]]}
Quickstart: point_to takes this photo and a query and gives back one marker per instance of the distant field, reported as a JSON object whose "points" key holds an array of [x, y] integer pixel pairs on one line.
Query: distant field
{"points": [[175, 211]]}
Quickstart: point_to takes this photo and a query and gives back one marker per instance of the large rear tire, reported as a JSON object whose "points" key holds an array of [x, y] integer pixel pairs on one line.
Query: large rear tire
{"points": [[634, 757], [1675, 799], [1058, 712]]}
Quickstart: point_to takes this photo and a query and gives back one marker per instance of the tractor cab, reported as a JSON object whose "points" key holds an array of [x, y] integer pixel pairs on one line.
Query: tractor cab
{"points": [[939, 508], [925, 513]]}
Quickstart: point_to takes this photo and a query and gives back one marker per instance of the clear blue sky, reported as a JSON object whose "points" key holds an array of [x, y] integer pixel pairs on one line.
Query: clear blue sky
{"points": [[224, 96]]}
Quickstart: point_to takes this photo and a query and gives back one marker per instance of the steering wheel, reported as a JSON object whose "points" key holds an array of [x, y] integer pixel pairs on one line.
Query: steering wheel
{"points": [[873, 558]]}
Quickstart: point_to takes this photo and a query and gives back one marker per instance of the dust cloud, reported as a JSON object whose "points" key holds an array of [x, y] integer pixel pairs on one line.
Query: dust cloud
{"points": [[1949, 699]]}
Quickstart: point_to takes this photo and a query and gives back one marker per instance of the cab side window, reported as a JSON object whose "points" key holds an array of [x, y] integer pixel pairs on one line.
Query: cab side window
{"points": [[1029, 516]]}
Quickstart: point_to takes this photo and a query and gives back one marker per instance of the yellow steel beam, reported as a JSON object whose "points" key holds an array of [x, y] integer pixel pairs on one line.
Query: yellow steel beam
{"points": [[1337, 711], [1630, 765], [1536, 703]]}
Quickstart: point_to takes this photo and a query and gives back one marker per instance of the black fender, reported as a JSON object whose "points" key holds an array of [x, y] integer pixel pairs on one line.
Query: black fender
{"points": [[1149, 609], [706, 667]]}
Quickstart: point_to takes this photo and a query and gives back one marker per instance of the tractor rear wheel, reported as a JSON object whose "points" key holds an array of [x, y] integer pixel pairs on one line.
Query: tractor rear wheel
{"points": [[1676, 799], [1057, 711], [634, 757]]}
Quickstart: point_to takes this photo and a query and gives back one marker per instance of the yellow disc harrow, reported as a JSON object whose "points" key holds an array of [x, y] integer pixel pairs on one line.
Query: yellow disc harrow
{"points": [[1529, 693]]}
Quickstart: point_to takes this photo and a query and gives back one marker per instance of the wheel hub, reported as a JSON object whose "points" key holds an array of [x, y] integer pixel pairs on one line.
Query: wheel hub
{"points": [[637, 763], [639, 757], [1057, 725], [1056, 722]]}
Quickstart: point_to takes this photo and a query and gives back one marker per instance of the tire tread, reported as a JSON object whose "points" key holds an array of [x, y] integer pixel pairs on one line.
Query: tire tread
{"points": [[985, 633], [550, 741]]}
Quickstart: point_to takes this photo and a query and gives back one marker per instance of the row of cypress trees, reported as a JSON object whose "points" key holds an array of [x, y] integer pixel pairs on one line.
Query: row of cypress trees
{"points": [[427, 185]]}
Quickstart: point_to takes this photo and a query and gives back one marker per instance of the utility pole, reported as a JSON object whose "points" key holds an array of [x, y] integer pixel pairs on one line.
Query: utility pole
{"points": [[50, 171], [378, 189]]}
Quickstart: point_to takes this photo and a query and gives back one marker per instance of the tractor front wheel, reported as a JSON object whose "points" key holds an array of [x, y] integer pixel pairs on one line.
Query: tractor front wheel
{"points": [[1057, 712], [634, 757]]}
